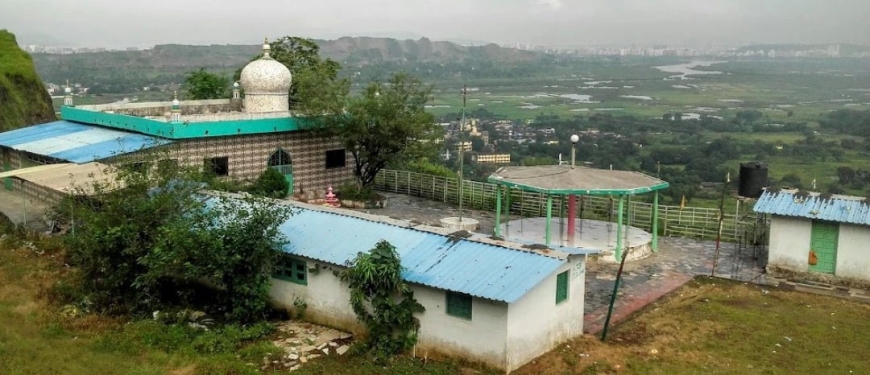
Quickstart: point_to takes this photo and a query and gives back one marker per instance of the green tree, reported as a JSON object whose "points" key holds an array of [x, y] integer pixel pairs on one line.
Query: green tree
{"points": [[383, 301], [314, 78], [272, 184], [147, 242], [201, 84], [385, 124]]}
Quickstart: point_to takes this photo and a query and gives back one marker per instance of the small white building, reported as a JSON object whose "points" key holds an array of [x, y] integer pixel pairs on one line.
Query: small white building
{"points": [[487, 301], [821, 237]]}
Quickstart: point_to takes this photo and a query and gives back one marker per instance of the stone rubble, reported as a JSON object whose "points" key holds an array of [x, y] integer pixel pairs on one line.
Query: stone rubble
{"points": [[302, 342]]}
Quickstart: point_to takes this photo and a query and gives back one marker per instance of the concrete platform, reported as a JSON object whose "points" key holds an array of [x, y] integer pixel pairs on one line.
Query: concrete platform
{"points": [[593, 234], [457, 223]]}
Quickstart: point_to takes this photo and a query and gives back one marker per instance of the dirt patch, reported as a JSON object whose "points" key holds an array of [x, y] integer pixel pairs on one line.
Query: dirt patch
{"points": [[635, 334]]}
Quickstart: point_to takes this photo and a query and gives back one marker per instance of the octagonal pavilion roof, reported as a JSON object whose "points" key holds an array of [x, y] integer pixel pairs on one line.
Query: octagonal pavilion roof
{"points": [[563, 180]]}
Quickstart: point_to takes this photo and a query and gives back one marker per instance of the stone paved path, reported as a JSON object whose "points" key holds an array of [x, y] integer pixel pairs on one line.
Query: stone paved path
{"points": [[677, 261]]}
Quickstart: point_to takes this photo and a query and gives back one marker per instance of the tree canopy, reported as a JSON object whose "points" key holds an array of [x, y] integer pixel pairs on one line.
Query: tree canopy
{"points": [[147, 241], [313, 76], [200, 84], [386, 123]]}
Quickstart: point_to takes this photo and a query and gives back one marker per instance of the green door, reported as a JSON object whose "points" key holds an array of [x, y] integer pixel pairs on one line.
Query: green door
{"points": [[823, 241], [7, 182], [280, 160], [287, 171]]}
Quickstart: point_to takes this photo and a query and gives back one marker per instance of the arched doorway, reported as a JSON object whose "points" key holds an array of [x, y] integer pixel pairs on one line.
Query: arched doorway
{"points": [[280, 161]]}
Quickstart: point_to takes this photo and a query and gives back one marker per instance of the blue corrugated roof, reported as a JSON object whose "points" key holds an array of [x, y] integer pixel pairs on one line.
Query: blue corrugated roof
{"points": [[838, 208], [479, 269], [76, 142]]}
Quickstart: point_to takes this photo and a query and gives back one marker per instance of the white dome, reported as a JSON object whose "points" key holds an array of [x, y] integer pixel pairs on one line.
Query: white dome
{"points": [[175, 102], [266, 76], [67, 90]]}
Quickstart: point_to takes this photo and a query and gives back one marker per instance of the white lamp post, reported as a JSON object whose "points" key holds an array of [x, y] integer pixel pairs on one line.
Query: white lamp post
{"points": [[574, 139]]}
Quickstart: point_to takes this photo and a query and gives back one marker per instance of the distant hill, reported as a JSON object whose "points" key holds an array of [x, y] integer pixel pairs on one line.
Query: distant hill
{"points": [[104, 71], [374, 50], [23, 98]]}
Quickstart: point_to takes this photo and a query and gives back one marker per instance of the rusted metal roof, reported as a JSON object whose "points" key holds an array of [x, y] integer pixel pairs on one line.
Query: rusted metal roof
{"points": [[838, 208]]}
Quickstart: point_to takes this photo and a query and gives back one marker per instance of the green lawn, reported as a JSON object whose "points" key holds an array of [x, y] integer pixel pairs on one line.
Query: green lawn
{"points": [[714, 326]]}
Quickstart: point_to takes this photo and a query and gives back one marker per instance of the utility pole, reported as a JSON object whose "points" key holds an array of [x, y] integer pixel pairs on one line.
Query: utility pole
{"points": [[464, 94]]}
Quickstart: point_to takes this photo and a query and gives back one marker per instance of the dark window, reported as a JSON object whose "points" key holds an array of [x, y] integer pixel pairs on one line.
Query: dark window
{"points": [[279, 157], [291, 269], [31, 159], [218, 166], [459, 305], [335, 159], [561, 287]]}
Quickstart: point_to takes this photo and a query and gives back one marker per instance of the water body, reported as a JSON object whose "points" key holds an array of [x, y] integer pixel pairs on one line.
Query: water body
{"points": [[639, 97], [578, 98], [683, 70], [697, 116]]}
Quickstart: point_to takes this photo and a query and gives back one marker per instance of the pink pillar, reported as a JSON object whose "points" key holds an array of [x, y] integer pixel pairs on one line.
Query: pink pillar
{"points": [[572, 214]]}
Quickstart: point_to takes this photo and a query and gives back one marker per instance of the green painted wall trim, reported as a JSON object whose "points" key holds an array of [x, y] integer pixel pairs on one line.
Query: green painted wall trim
{"points": [[182, 130], [640, 190]]}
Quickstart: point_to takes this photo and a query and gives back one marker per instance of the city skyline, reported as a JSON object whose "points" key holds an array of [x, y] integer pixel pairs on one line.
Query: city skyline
{"points": [[555, 23]]}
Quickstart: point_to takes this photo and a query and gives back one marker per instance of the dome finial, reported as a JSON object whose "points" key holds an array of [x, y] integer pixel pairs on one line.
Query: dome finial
{"points": [[266, 48]]}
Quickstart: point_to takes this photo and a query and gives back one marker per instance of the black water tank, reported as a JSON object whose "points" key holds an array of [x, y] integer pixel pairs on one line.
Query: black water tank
{"points": [[753, 179]]}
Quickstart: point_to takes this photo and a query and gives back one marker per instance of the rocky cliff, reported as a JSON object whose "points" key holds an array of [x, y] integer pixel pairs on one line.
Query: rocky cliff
{"points": [[23, 98]]}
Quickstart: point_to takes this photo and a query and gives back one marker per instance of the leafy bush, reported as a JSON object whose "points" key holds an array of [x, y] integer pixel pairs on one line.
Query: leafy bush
{"points": [[383, 301], [272, 184], [354, 192], [158, 244], [426, 167]]}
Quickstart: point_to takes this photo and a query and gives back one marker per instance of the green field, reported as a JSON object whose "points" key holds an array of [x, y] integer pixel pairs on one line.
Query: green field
{"points": [[806, 88]]}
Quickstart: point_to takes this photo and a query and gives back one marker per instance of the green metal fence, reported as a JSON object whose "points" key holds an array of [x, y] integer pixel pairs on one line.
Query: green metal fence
{"points": [[691, 222]]}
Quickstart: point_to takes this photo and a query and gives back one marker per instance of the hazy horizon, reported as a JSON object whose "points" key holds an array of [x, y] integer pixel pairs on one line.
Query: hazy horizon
{"points": [[541, 22]]}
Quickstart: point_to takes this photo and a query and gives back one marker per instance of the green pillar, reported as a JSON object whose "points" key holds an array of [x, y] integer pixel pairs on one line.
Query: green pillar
{"points": [[549, 218], [619, 229], [507, 211], [498, 210], [655, 221]]}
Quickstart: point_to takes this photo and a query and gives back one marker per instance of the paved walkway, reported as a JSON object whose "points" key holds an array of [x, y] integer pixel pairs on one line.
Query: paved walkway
{"points": [[677, 261], [17, 209]]}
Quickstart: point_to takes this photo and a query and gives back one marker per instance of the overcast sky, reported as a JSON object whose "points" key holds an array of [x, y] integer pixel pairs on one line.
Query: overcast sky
{"points": [[143, 23]]}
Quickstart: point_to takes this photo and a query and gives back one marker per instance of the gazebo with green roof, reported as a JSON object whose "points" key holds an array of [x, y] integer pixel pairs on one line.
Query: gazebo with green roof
{"points": [[570, 181]]}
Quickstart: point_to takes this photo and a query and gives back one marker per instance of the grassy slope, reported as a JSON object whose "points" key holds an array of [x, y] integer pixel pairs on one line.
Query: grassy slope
{"points": [[706, 327], [36, 339], [713, 326], [23, 99]]}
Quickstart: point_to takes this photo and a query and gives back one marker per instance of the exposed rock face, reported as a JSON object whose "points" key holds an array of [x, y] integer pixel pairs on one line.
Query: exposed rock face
{"points": [[23, 98]]}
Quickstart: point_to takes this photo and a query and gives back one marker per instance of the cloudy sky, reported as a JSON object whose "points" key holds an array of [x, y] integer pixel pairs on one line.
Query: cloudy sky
{"points": [[143, 23]]}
